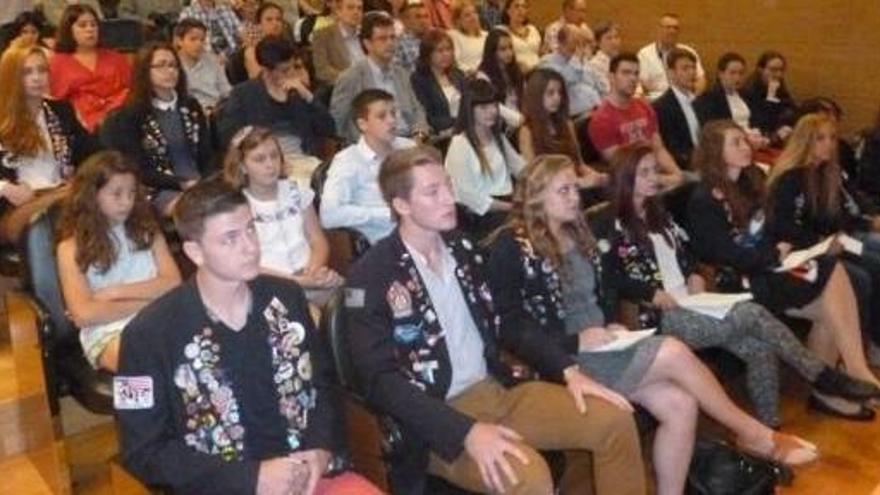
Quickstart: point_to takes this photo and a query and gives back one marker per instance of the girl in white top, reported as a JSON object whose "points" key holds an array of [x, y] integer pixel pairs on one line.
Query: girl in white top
{"points": [[112, 258], [480, 160], [526, 37], [292, 244], [468, 38]]}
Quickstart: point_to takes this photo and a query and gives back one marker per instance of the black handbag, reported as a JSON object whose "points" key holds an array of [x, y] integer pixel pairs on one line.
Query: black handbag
{"points": [[719, 469]]}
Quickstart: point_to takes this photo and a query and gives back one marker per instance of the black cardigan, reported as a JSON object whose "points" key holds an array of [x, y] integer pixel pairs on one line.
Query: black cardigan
{"points": [[136, 133], [430, 95], [250, 104], [712, 105], [528, 293], [768, 116], [791, 219]]}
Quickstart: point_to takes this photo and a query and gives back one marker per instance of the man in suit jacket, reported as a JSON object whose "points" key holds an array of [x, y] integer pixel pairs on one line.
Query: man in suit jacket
{"points": [[423, 335], [337, 46], [377, 71], [678, 121]]}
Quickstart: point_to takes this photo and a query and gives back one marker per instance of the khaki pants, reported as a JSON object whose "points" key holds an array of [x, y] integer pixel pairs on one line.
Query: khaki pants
{"points": [[545, 416]]}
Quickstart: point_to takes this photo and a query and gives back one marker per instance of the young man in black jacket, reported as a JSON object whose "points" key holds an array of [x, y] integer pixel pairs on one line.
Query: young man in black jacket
{"points": [[223, 383], [423, 337]]}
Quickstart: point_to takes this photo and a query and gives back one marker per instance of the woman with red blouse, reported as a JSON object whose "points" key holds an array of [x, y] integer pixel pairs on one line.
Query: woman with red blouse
{"points": [[94, 80]]}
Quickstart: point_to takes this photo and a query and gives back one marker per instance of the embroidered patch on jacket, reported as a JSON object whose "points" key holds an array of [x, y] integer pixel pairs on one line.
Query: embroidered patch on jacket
{"points": [[132, 392]]}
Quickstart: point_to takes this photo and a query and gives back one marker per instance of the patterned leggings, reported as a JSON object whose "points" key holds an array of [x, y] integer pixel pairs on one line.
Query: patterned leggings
{"points": [[754, 335]]}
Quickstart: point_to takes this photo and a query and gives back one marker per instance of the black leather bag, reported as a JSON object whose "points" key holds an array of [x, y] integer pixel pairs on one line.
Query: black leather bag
{"points": [[719, 469]]}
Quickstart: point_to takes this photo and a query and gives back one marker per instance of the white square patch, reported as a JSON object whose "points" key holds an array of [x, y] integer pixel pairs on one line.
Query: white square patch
{"points": [[354, 298], [132, 392]]}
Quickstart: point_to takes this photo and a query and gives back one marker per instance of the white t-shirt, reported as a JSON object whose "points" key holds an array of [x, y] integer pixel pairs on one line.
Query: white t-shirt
{"points": [[468, 49], [281, 227], [527, 48]]}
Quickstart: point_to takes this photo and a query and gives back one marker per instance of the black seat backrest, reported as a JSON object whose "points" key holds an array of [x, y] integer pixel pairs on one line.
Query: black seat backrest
{"points": [[333, 326], [42, 276], [125, 35]]}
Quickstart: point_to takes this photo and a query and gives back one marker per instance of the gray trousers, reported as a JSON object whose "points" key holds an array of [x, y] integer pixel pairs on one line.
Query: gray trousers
{"points": [[759, 339]]}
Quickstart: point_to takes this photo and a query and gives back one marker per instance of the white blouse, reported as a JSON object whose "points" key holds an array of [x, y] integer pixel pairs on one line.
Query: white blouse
{"points": [[739, 110], [472, 187], [468, 49], [527, 48]]}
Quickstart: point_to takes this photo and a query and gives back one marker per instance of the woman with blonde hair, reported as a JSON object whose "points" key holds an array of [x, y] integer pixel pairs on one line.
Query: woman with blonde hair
{"points": [[547, 271], [41, 140], [468, 37]]}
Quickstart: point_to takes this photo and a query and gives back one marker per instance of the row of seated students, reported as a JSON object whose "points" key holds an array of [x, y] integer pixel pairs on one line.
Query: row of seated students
{"points": [[426, 306], [652, 263]]}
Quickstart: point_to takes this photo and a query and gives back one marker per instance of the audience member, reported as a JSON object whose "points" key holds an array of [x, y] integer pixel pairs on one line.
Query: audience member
{"points": [[547, 128], [425, 341], [491, 14], [439, 13], [54, 9], [723, 101], [655, 259], [481, 161], [809, 202], [728, 229], [351, 196], [224, 385], [41, 140], [525, 36], [95, 80], [337, 47], [768, 98], [378, 71], [584, 88], [438, 84], [205, 77], [416, 23], [624, 119], [161, 128], [112, 257], [28, 28], [468, 37], [574, 13], [224, 27], [292, 244], [676, 116], [243, 65], [499, 67], [608, 45], [652, 58], [546, 252], [246, 10], [281, 100]]}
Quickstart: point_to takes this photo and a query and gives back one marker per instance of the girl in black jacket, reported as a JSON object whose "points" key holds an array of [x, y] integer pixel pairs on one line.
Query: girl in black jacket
{"points": [[728, 230], [161, 127]]}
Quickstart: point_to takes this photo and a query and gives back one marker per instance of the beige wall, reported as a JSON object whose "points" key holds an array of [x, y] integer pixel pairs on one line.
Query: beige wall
{"points": [[832, 46]]}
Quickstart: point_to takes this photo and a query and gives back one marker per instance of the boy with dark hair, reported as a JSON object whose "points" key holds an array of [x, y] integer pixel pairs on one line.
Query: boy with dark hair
{"points": [[676, 117], [205, 78], [351, 195], [224, 386], [424, 339]]}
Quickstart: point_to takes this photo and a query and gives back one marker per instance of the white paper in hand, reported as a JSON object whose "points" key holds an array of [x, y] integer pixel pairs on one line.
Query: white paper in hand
{"points": [[801, 256], [712, 304]]}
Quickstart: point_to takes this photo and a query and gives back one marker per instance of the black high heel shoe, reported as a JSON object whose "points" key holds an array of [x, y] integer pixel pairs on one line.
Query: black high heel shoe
{"points": [[825, 406]]}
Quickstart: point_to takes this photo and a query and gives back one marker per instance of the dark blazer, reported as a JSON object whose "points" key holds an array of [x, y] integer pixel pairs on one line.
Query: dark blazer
{"points": [[137, 134], [391, 351], [528, 290], [430, 95], [250, 104], [712, 105], [768, 116], [792, 219], [674, 128]]}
